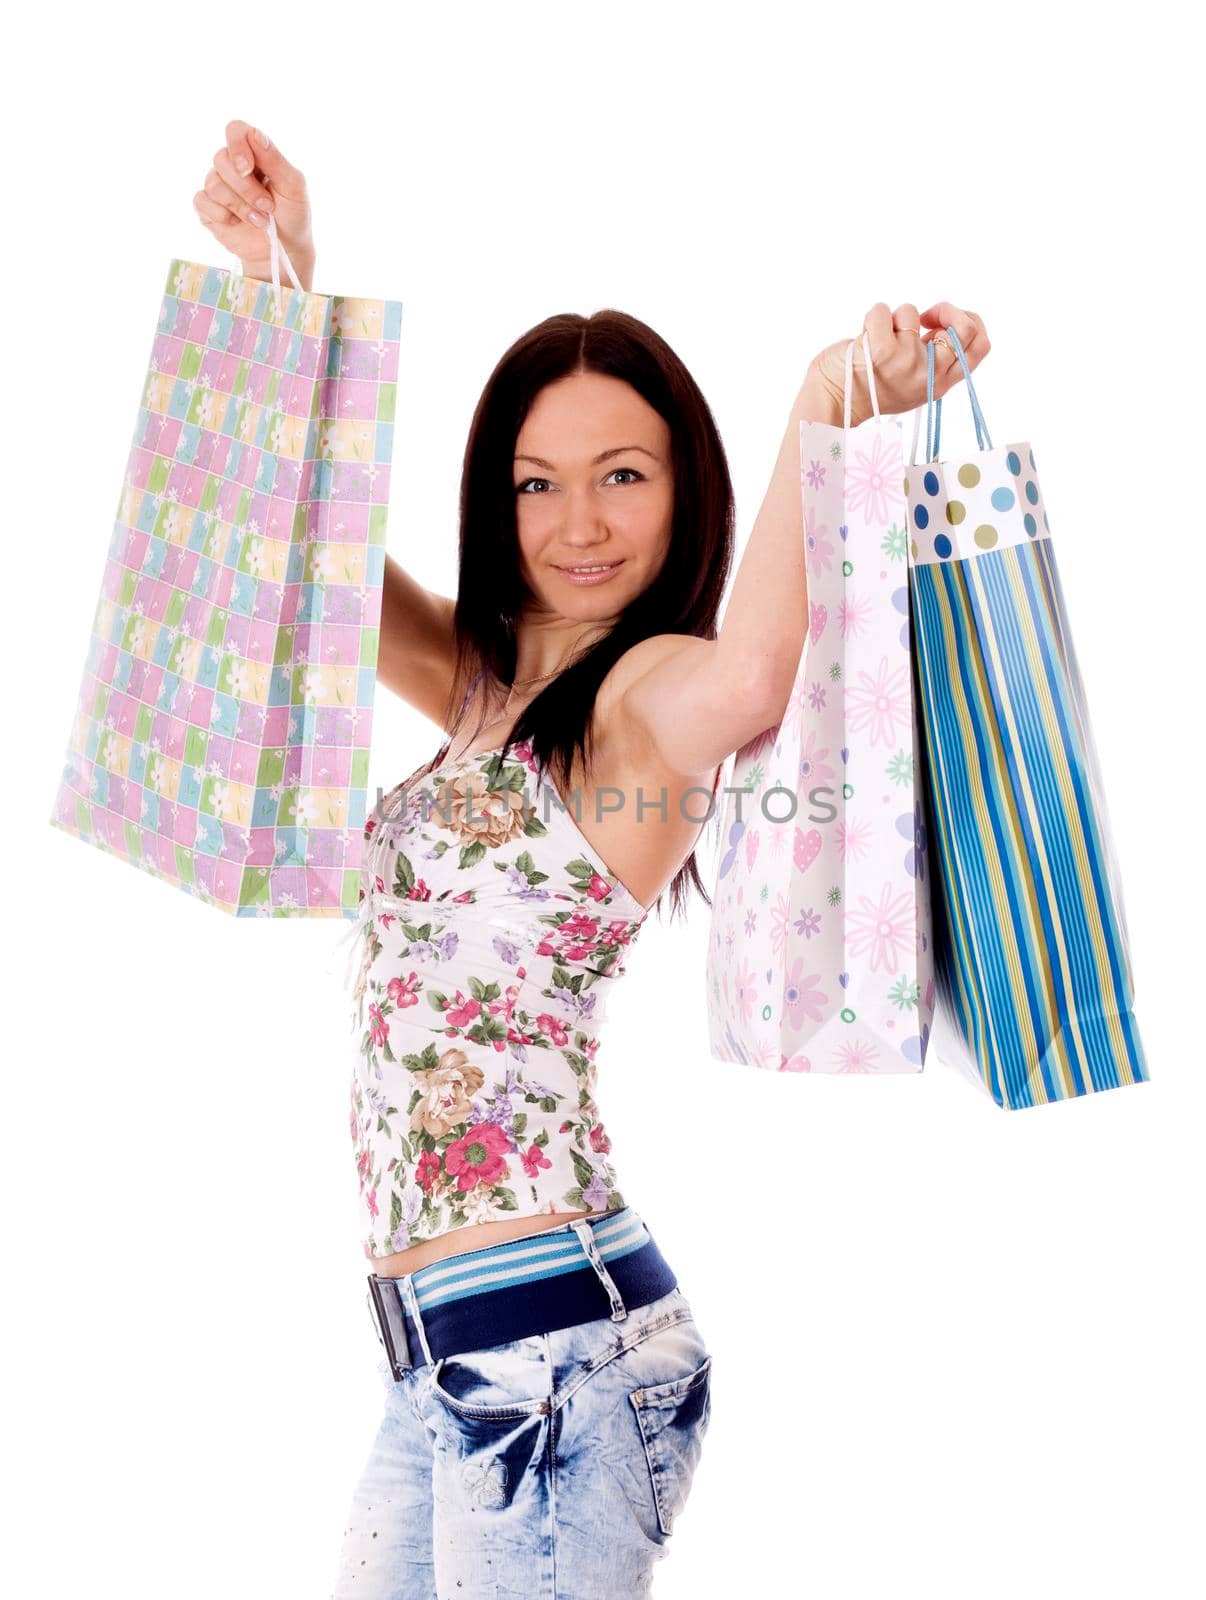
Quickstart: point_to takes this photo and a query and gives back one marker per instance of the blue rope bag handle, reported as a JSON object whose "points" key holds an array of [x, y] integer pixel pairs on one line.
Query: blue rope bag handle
{"points": [[933, 408]]}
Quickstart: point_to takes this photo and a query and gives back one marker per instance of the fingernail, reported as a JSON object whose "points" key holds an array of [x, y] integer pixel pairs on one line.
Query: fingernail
{"points": [[242, 166], [255, 217], [266, 204], [262, 139]]}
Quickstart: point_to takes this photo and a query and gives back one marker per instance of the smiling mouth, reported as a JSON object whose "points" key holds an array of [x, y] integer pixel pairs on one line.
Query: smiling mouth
{"points": [[597, 566]]}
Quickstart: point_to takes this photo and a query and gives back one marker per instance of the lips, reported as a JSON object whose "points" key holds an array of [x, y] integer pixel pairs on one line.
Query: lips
{"points": [[588, 578]]}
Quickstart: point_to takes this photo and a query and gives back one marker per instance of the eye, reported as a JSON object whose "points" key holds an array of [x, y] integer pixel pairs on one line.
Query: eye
{"points": [[632, 471]]}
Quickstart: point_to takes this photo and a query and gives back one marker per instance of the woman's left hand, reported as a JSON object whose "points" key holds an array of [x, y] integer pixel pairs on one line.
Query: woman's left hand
{"points": [[899, 358]]}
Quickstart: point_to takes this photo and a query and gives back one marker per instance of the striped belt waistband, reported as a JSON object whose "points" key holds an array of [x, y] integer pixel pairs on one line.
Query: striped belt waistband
{"points": [[576, 1272]]}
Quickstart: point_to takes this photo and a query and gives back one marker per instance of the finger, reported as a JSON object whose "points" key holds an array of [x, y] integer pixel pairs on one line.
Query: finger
{"points": [[907, 323], [250, 190], [947, 367], [238, 147], [945, 356], [209, 210], [878, 324], [278, 174], [944, 315], [979, 339], [217, 188]]}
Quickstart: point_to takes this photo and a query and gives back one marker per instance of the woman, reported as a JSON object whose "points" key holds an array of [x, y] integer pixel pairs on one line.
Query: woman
{"points": [[547, 1388]]}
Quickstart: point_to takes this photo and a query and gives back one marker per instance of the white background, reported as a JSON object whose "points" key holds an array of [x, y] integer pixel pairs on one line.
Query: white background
{"points": [[957, 1350]]}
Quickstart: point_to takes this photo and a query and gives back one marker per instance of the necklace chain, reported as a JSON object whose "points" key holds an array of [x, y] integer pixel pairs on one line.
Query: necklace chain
{"points": [[519, 682], [540, 679]]}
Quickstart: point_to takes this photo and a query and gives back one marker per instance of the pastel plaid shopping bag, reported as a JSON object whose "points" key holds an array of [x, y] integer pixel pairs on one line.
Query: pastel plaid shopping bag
{"points": [[1032, 960], [222, 729]]}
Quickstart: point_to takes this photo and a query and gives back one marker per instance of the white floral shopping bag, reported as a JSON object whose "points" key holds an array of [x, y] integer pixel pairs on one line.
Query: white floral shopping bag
{"points": [[819, 956]]}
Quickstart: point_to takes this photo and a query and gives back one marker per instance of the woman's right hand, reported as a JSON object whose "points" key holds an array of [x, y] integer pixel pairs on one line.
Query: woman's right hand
{"points": [[250, 177]]}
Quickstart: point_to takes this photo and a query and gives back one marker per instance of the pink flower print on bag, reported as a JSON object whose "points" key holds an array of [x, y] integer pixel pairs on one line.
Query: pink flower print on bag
{"points": [[819, 954]]}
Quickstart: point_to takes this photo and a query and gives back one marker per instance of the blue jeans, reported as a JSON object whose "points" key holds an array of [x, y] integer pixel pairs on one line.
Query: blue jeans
{"points": [[550, 1468]]}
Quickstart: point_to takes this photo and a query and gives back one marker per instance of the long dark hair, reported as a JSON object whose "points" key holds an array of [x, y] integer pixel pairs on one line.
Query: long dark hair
{"points": [[683, 598]]}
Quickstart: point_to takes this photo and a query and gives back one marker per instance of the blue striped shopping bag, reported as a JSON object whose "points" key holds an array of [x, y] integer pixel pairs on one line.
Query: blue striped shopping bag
{"points": [[1032, 964]]}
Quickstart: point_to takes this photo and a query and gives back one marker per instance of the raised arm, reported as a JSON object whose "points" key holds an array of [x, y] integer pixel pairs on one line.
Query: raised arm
{"points": [[250, 177], [416, 657], [701, 699]]}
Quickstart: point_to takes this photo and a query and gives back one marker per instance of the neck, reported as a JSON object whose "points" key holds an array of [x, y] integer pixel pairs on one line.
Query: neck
{"points": [[544, 649]]}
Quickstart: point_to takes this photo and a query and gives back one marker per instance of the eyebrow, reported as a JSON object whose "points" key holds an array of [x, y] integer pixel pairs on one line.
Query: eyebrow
{"points": [[620, 449]]}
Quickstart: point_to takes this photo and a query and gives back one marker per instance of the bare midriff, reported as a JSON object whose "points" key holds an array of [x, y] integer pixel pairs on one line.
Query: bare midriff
{"points": [[475, 1236]]}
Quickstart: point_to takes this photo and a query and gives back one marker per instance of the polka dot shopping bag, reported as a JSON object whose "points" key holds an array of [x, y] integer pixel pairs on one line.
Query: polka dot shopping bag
{"points": [[221, 733], [1032, 964]]}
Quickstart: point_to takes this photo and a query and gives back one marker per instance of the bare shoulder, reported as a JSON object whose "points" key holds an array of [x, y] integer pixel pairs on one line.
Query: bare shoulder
{"points": [[643, 656]]}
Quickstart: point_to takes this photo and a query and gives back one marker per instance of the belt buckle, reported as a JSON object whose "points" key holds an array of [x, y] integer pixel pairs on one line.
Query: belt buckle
{"points": [[386, 1307]]}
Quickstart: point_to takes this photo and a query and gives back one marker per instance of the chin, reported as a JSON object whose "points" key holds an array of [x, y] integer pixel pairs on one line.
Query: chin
{"points": [[590, 605]]}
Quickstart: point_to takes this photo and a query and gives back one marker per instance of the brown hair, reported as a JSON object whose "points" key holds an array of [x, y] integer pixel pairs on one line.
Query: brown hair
{"points": [[683, 598]]}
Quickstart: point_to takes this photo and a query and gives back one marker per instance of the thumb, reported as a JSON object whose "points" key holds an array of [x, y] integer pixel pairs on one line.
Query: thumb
{"points": [[286, 179], [935, 321], [283, 178]]}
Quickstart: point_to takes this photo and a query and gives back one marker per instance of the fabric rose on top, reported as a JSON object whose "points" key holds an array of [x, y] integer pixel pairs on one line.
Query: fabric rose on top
{"points": [[477, 814], [445, 1091]]}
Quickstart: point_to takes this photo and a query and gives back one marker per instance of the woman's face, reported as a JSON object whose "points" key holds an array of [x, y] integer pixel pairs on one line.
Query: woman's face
{"points": [[593, 487]]}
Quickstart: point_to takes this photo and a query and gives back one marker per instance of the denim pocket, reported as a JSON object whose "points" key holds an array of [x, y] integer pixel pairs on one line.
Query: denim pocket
{"points": [[502, 1380], [673, 1418]]}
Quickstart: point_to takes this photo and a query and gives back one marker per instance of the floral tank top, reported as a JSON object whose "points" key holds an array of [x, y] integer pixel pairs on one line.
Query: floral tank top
{"points": [[492, 936]]}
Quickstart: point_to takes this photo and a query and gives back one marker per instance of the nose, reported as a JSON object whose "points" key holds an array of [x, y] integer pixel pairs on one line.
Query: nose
{"points": [[583, 545], [582, 530]]}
